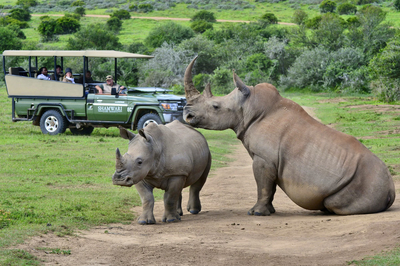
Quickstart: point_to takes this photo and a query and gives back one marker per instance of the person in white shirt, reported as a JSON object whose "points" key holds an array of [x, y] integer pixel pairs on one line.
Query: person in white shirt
{"points": [[43, 74], [68, 76]]}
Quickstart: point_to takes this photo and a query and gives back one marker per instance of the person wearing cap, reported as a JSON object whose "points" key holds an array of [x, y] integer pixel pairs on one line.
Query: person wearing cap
{"points": [[58, 74], [106, 87], [68, 76]]}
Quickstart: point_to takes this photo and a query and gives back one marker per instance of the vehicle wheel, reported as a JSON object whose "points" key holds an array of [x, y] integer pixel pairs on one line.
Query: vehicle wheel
{"points": [[147, 119], [82, 131], [53, 123]]}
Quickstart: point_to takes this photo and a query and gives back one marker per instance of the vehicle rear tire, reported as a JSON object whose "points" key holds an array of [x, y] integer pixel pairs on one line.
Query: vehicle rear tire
{"points": [[147, 119], [53, 123], [82, 131]]}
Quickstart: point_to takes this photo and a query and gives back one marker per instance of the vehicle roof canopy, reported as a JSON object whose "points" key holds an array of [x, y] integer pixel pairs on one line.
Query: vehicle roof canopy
{"points": [[72, 53]]}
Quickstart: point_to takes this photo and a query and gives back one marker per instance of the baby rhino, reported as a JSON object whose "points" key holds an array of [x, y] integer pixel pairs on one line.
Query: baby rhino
{"points": [[168, 157]]}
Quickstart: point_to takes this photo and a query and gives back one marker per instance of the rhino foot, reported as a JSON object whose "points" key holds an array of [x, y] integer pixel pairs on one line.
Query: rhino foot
{"points": [[146, 220], [261, 211], [194, 211], [171, 219]]}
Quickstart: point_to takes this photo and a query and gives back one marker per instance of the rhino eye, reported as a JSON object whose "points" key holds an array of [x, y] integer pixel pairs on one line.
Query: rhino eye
{"points": [[139, 161], [216, 106]]}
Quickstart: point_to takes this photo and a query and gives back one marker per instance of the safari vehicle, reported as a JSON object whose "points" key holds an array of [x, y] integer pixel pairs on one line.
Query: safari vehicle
{"points": [[56, 106]]}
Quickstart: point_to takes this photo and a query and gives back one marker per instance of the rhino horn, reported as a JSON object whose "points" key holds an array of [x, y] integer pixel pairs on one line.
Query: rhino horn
{"points": [[118, 155], [207, 91], [190, 90], [240, 85]]}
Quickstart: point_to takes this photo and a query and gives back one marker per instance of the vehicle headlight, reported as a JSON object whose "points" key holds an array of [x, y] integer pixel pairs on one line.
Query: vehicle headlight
{"points": [[170, 106]]}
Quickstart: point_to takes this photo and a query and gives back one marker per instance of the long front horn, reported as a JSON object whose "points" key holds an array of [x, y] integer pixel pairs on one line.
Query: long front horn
{"points": [[190, 90]]}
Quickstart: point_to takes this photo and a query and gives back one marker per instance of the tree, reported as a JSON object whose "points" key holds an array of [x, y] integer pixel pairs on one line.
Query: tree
{"points": [[114, 24], [200, 26], [20, 14], [299, 17], [169, 32], [66, 25], [9, 40], [327, 6], [347, 9], [47, 28], [330, 32], [80, 11], [121, 14], [268, 18], [204, 15], [78, 3], [94, 36], [396, 4], [27, 3]]}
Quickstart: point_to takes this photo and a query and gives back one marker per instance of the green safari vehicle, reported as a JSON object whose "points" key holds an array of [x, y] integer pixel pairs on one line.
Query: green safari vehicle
{"points": [[55, 106]]}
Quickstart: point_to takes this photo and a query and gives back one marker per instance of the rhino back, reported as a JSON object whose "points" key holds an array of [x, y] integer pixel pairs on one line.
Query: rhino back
{"points": [[185, 151]]}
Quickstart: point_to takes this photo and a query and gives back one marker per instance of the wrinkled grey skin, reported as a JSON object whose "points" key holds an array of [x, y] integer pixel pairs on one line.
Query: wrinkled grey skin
{"points": [[318, 167], [169, 157]]}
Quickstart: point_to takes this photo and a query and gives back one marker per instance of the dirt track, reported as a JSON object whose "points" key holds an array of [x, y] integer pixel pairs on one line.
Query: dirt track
{"points": [[223, 234]]}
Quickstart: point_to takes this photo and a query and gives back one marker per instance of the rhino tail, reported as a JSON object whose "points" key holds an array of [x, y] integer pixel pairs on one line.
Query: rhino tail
{"points": [[391, 198]]}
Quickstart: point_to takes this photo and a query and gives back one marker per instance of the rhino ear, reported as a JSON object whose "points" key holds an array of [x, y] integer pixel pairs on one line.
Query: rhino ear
{"points": [[240, 85], [141, 133], [207, 91], [125, 133]]}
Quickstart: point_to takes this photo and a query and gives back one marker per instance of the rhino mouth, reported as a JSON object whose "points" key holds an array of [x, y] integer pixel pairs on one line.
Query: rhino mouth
{"points": [[122, 181]]}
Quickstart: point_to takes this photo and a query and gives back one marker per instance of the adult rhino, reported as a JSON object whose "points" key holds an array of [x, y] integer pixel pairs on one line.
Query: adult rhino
{"points": [[168, 157], [318, 167]]}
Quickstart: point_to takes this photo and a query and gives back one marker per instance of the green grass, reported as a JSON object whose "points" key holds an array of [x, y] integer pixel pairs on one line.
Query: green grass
{"points": [[62, 183]]}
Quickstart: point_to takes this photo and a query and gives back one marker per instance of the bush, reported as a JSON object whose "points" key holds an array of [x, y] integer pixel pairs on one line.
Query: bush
{"points": [[386, 90], [269, 18], [327, 6], [78, 3], [47, 28], [9, 40], [200, 26], [353, 21], [387, 63], [221, 81], [169, 32], [5, 21], [17, 30], [94, 36], [204, 15], [299, 17], [20, 14], [80, 11], [365, 2], [396, 4], [114, 24], [347, 9], [66, 25], [121, 14], [314, 22], [145, 8], [27, 3]]}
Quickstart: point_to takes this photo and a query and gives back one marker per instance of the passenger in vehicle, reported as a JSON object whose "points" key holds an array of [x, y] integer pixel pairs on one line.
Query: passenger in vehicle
{"points": [[68, 76], [106, 87], [43, 74], [59, 73], [88, 78]]}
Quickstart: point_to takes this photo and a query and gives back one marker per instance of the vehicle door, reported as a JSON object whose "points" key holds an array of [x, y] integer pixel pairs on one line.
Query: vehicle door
{"points": [[107, 108]]}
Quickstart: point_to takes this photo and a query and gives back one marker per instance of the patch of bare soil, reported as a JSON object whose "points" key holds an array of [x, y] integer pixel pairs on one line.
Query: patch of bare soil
{"points": [[223, 233]]}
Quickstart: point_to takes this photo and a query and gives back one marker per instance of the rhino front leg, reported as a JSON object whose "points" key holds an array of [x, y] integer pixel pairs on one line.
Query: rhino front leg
{"points": [[146, 195], [171, 199], [265, 176]]}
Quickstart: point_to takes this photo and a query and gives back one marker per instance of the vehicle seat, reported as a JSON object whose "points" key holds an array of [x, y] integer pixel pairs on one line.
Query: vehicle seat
{"points": [[13, 71]]}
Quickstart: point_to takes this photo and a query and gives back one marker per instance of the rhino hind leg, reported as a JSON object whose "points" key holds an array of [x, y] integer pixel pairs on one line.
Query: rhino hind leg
{"points": [[179, 210], [194, 204], [172, 198]]}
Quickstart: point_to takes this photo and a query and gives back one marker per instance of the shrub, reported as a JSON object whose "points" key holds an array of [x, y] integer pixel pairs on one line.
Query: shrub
{"points": [[396, 4], [94, 36], [353, 21], [269, 18], [365, 2], [9, 40], [114, 24], [327, 6], [386, 90], [17, 30], [221, 81], [299, 17], [73, 15], [314, 22], [78, 3], [27, 3], [200, 26], [66, 25], [204, 15], [145, 8], [169, 32], [20, 14], [47, 28], [347, 9], [121, 14], [138, 48], [80, 11], [5, 21]]}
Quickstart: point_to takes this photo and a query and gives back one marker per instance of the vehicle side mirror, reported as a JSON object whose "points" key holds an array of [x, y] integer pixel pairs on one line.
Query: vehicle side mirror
{"points": [[114, 92]]}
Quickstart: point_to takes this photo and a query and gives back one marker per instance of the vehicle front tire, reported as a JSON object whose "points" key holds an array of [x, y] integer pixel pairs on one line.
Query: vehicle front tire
{"points": [[82, 131], [147, 119], [53, 123]]}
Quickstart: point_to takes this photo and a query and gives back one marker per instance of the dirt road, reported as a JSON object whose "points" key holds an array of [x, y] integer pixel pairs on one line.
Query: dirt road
{"points": [[223, 233]]}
